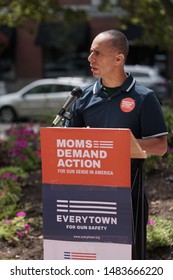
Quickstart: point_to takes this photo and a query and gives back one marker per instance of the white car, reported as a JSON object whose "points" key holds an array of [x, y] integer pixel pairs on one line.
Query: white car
{"points": [[150, 77], [40, 98]]}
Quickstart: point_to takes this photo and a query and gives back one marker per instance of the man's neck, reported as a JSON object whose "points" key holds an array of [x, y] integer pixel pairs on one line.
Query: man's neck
{"points": [[115, 81]]}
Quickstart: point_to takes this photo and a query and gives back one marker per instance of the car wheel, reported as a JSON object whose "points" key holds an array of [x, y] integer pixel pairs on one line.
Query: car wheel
{"points": [[7, 114]]}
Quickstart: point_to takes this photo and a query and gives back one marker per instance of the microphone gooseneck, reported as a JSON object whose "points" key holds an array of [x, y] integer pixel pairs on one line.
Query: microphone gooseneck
{"points": [[75, 94]]}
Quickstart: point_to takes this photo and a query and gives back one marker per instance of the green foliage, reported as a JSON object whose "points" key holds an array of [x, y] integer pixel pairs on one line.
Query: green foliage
{"points": [[159, 233], [142, 13], [16, 13], [23, 145], [10, 190], [12, 230], [22, 150], [13, 170]]}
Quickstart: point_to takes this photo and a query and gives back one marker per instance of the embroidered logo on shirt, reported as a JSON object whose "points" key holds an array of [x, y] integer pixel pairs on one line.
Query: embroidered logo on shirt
{"points": [[127, 104]]}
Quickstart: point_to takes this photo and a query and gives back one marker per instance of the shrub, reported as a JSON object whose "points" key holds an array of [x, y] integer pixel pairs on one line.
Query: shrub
{"points": [[10, 189], [24, 147], [159, 233], [15, 228], [5, 160]]}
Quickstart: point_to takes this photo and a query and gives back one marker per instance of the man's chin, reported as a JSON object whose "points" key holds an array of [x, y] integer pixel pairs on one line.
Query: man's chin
{"points": [[95, 74]]}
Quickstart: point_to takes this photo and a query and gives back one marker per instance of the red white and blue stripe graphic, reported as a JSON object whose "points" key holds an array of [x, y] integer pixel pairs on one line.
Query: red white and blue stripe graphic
{"points": [[79, 256]]}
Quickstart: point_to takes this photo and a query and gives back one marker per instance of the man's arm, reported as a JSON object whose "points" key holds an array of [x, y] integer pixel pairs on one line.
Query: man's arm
{"points": [[154, 146]]}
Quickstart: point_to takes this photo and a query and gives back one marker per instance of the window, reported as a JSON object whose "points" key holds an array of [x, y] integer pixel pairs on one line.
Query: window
{"points": [[61, 88], [40, 89]]}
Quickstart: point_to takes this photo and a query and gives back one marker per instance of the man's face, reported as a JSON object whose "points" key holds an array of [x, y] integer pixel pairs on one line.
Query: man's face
{"points": [[102, 57]]}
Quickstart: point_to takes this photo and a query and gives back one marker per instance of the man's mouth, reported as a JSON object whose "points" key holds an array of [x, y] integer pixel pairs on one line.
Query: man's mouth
{"points": [[93, 68]]}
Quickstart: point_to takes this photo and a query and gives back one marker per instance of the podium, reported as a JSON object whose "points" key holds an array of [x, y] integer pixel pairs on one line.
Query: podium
{"points": [[86, 190]]}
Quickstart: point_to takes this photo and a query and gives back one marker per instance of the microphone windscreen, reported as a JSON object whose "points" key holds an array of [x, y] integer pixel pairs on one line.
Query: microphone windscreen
{"points": [[77, 91]]}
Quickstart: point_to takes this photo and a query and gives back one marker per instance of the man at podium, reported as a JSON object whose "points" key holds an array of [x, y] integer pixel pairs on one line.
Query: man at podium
{"points": [[117, 100]]}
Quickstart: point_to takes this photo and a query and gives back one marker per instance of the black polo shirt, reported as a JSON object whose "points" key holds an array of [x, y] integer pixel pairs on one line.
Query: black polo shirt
{"points": [[131, 106]]}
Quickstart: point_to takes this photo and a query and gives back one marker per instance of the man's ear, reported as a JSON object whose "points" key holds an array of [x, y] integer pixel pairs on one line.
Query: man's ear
{"points": [[119, 59]]}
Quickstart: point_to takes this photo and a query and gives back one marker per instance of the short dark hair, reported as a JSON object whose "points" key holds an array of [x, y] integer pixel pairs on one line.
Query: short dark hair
{"points": [[118, 40]]}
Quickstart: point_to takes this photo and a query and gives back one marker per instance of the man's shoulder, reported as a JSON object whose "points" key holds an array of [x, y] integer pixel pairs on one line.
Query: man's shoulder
{"points": [[89, 87], [144, 94], [141, 89]]}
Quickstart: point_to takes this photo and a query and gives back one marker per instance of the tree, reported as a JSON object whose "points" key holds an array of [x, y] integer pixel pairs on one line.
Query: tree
{"points": [[15, 13], [154, 17]]}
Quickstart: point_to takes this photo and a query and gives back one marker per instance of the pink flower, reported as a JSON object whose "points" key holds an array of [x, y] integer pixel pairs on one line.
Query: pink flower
{"points": [[27, 227], [8, 221], [20, 214], [19, 233], [22, 144], [151, 222], [23, 157], [6, 175], [169, 150], [14, 176]]}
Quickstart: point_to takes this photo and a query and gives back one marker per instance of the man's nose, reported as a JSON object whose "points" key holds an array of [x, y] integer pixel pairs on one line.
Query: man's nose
{"points": [[91, 57]]}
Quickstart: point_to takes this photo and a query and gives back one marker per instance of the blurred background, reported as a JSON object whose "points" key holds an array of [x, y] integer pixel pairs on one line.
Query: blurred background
{"points": [[42, 39]]}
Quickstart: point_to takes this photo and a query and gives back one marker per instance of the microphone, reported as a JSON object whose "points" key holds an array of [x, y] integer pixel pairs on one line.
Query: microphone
{"points": [[75, 94]]}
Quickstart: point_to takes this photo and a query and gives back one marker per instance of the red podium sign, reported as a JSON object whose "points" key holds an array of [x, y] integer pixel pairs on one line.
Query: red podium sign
{"points": [[86, 193], [98, 157]]}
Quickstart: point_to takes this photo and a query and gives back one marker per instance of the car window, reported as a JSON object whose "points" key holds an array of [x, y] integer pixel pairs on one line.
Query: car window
{"points": [[40, 89], [61, 88]]}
